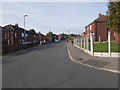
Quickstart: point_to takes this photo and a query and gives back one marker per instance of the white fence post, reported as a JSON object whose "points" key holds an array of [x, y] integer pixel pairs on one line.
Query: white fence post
{"points": [[84, 42], [87, 43], [75, 41], [81, 42], [109, 44], [91, 42]]}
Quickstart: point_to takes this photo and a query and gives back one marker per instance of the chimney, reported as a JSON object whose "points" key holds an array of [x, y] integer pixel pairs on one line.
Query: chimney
{"points": [[16, 25], [99, 15]]}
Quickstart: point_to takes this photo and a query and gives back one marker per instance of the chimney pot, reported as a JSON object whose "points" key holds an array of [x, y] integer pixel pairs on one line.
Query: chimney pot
{"points": [[99, 15]]}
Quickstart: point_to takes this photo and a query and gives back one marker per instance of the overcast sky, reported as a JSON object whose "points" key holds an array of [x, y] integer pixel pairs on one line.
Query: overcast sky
{"points": [[57, 17]]}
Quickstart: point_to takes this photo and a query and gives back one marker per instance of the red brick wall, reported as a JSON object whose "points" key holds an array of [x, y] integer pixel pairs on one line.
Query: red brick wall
{"points": [[117, 38], [101, 32], [112, 36]]}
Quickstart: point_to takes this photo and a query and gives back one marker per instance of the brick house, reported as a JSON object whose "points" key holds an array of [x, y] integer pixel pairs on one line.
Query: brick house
{"points": [[83, 34], [15, 38], [78, 36], [62, 36], [41, 38], [33, 37], [99, 28], [72, 36], [12, 37]]}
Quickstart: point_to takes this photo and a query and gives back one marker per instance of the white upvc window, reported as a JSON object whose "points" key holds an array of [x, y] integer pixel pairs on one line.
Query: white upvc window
{"points": [[15, 35], [22, 34], [88, 33], [87, 28], [93, 33], [5, 35], [114, 34], [20, 41], [8, 42], [90, 27], [26, 35]]}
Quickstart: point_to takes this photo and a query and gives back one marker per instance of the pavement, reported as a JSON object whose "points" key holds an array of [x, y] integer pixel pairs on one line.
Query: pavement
{"points": [[103, 63], [49, 66]]}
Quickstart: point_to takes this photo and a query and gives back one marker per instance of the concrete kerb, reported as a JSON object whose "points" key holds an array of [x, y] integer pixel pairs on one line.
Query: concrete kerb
{"points": [[109, 70]]}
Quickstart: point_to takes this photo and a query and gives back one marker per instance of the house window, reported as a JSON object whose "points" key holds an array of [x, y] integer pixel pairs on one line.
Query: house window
{"points": [[20, 41], [93, 33], [22, 34], [114, 34], [90, 27], [15, 35], [8, 42], [26, 35], [88, 33], [87, 28], [5, 35]]}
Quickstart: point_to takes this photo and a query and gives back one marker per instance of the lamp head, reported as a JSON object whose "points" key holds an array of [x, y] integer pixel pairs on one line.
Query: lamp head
{"points": [[25, 15]]}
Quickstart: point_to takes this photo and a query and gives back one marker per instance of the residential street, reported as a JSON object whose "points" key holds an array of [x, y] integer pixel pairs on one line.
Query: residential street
{"points": [[49, 66]]}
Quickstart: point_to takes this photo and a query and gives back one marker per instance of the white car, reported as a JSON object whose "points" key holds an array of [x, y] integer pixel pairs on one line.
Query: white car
{"points": [[56, 41]]}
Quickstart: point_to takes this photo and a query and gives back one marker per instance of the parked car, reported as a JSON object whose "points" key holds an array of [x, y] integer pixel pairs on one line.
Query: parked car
{"points": [[56, 41]]}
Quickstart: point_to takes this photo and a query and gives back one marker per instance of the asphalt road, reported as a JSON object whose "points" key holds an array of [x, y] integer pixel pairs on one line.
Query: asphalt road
{"points": [[49, 66]]}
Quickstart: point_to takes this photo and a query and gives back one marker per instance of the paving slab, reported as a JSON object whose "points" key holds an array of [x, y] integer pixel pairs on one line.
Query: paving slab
{"points": [[96, 63]]}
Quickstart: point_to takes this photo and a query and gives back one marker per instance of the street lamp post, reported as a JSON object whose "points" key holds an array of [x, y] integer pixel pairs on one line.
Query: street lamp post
{"points": [[25, 27], [24, 30]]}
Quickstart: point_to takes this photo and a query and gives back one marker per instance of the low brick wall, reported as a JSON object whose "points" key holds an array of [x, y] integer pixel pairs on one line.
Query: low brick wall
{"points": [[16, 47], [5, 49]]}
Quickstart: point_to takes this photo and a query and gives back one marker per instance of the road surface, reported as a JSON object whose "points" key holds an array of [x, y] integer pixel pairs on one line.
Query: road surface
{"points": [[49, 66]]}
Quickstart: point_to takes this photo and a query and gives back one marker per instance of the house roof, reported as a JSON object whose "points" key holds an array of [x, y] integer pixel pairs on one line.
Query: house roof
{"points": [[33, 31], [62, 34], [83, 33], [12, 28], [73, 35], [41, 34], [102, 18]]}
